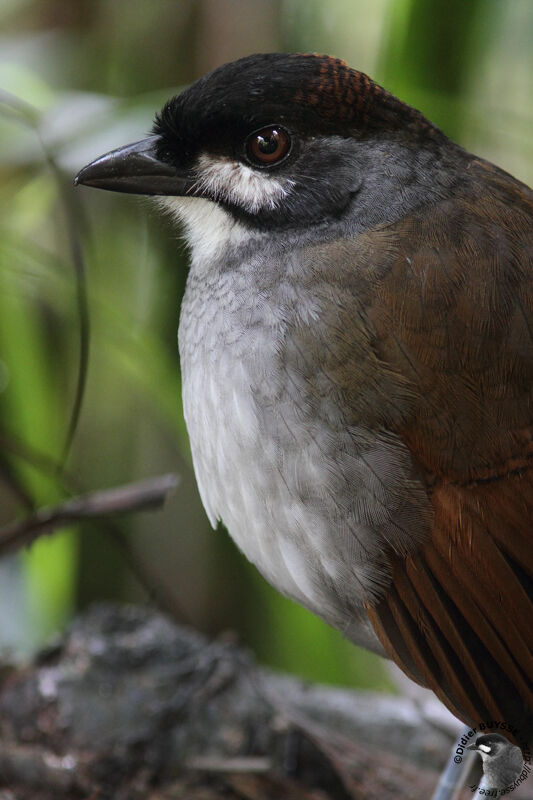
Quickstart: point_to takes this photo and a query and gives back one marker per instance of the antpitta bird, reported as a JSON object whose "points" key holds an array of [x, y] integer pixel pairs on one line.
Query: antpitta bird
{"points": [[356, 342]]}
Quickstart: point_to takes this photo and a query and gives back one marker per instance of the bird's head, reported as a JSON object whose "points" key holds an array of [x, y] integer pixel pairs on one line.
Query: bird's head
{"points": [[490, 745], [278, 141]]}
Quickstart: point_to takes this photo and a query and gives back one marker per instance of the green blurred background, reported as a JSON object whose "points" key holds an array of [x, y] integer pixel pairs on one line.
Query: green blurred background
{"points": [[77, 79]]}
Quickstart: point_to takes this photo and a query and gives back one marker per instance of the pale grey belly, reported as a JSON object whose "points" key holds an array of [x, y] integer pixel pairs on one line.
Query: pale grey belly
{"points": [[281, 485]]}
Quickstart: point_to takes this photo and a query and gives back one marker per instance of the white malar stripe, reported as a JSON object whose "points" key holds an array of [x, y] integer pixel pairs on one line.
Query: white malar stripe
{"points": [[485, 748], [233, 182]]}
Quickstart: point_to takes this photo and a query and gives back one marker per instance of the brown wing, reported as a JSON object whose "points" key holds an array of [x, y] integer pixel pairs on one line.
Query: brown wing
{"points": [[454, 315]]}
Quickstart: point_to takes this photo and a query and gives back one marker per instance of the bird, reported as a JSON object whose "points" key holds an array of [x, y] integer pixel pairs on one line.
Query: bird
{"points": [[356, 346], [502, 761]]}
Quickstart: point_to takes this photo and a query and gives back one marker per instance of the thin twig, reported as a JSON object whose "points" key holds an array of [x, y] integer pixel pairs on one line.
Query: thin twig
{"points": [[249, 764], [142, 495], [140, 568]]}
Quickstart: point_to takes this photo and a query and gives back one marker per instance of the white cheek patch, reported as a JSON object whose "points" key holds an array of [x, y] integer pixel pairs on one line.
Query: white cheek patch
{"points": [[236, 183], [209, 229], [485, 748]]}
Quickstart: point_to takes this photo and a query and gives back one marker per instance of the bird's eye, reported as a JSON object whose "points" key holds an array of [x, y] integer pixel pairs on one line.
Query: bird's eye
{"points": [[268, 146]]}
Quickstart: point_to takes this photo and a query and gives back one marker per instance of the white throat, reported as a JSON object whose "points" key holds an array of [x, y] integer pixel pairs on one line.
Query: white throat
{"points": [[209, 229]]}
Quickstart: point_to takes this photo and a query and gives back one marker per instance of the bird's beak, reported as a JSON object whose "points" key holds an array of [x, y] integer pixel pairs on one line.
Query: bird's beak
{"points": [[136, 169], [472, 747]]}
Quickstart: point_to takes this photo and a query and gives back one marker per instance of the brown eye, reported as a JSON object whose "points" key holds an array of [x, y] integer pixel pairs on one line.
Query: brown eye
{"points": [[268, 146]]}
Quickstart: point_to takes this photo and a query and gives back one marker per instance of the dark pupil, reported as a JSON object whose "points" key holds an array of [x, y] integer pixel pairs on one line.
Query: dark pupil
{"points": [[267, 144]]}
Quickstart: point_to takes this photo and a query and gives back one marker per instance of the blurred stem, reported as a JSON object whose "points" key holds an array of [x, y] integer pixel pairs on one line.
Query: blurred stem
{"points": [[82, 304], [18, 109], [28, 115]]}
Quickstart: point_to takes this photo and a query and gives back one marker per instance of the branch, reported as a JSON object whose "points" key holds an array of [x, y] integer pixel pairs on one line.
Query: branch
{"points": [[147, 494]]}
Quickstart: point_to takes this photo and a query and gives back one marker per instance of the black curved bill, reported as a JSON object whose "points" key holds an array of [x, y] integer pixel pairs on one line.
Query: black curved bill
{"points": [[135, 169]]}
